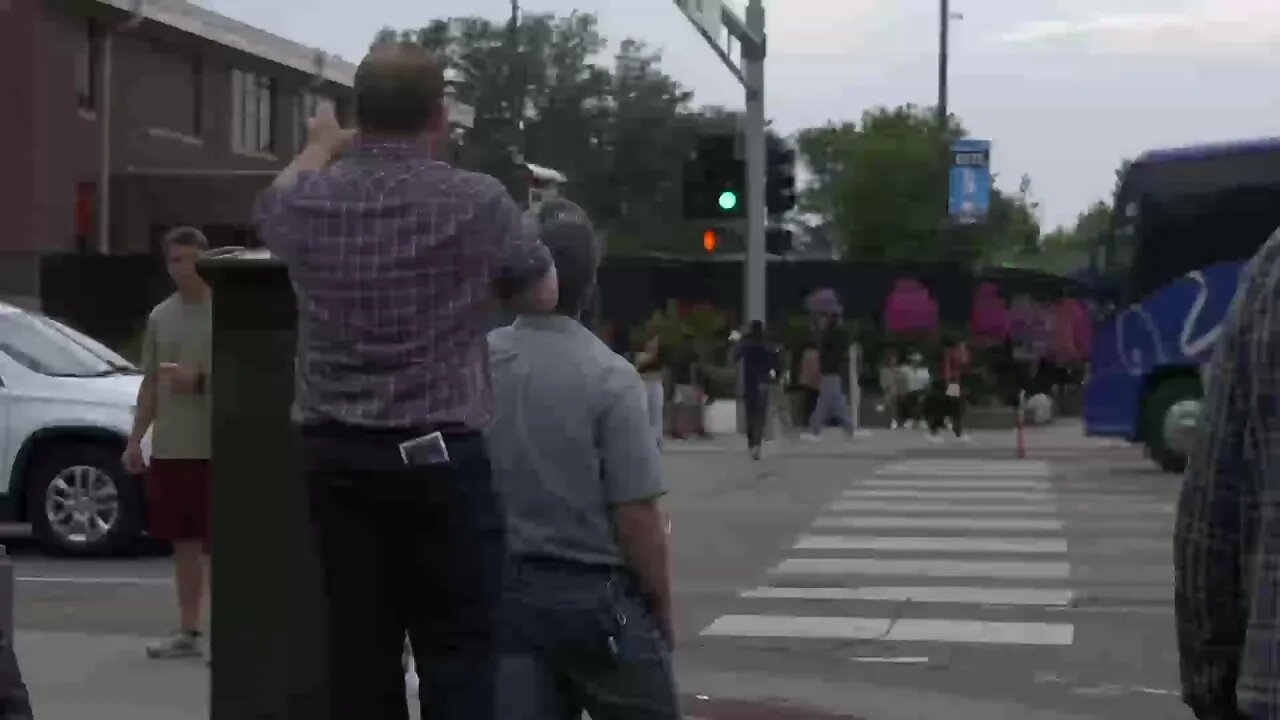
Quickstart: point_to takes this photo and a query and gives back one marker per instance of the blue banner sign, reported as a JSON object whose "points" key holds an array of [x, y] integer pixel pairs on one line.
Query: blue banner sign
{"points": [[970, 197]]}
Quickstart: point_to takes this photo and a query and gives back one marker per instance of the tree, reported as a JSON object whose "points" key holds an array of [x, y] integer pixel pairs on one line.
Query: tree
{"points": [[823, 151], [882, 185], [619, 133]]}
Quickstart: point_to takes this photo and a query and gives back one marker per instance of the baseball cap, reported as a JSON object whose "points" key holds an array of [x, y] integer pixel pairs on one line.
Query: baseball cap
{"points": [[565, 232]]}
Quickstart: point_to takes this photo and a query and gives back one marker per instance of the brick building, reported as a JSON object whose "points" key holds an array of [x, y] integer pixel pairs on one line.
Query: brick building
{"points": [[159, 112]]}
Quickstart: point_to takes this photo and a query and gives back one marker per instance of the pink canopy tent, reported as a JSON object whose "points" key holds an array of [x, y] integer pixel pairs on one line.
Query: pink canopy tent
{"points": [[989, 319], [909, 309]]}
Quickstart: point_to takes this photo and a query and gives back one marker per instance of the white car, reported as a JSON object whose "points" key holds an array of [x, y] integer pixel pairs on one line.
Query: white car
{"points": [[66, 408]]}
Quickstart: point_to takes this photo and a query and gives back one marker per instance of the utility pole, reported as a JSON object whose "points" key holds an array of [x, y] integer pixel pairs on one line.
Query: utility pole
{"points": [[944, 51], [515, 75], [709, 17], [755, 151]]}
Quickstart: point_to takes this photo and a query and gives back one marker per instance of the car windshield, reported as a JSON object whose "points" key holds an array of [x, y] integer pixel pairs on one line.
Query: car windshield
{"points": [[48, 347]]}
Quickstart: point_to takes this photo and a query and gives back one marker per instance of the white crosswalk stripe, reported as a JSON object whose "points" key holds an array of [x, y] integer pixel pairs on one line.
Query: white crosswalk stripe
{"points": [[926, 551]]}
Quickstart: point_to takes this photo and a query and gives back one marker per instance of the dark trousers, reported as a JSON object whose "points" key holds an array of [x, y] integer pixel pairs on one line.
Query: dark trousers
{"points": [[577, 638], [407, 549], [939, 406], [909, 406], [756, 408]]}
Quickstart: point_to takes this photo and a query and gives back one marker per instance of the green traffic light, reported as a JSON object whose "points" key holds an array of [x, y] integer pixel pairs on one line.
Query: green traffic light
{"points": [[728, 200]]}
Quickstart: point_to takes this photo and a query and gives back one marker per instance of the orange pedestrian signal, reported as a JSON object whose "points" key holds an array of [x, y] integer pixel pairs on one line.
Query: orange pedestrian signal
{"points": [[709, 241]]}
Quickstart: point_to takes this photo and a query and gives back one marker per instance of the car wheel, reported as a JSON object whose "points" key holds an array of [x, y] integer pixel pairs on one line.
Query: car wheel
{"points": [[1171, 414], [81, 501]]}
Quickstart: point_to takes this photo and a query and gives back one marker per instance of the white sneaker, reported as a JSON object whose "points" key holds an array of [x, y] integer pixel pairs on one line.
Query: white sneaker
{"points": [[893, 424], [810, 437], [182, 644]]}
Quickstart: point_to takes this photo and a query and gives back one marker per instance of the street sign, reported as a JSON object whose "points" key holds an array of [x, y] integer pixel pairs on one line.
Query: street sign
{"points": [[970, 197], [704, 13]]}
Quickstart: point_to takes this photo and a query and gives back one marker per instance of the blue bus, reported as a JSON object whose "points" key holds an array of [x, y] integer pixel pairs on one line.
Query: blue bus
{"points": [[1186, 221]]}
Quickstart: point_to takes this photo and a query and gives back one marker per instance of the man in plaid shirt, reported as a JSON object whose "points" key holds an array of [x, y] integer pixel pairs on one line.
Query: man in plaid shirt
{"points": [[1227, 539], [391, 256]]}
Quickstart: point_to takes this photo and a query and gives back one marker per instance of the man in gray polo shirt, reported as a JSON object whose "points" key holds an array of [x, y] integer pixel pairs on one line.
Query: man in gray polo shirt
{"points": [[588, 596]]}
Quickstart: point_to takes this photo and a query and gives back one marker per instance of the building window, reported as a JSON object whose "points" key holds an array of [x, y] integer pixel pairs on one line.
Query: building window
{"points": [[88, 46], [253, 99], [170, 96], [197, 97]]}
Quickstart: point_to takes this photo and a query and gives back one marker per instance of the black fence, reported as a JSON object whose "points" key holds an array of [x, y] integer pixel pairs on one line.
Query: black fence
{"points": [[109, 297]]}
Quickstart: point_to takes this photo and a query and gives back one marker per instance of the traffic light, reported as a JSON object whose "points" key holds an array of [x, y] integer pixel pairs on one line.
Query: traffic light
{"points": [[780, 189], [714, 180], [709, 241], [777, 241]]}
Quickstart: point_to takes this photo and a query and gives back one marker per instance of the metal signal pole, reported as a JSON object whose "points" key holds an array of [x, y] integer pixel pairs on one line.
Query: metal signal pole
{"points": [[755, 150], [944, 52], [749, 32]]}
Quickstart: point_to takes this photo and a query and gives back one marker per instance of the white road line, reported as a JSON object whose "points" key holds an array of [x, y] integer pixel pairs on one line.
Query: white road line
{"points": [[891, 660], [933, 544], [1029, 467], [938, 523], [939, 568], [943, 471], [907, 630], [1042, 496], [906, 484], [94, 580], [927, 594], [912, 506]]}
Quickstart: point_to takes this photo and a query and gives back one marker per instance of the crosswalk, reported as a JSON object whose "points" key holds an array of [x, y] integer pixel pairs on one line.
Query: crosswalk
{"points": [[926, 551]]}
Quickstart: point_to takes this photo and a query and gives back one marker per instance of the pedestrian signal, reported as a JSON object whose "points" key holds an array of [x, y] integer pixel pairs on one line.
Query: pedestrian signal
{"points": [[709, 241]]}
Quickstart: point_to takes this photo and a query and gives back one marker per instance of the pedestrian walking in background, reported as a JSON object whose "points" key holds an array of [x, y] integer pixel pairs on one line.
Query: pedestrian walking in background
{"points": [[1225, 551], [391, 255], [649, 363], [892, 385], [833, 363], [758, 360], [945, 404], [588, 597], [687, 398], [810, 381], [173, 404], [916, 380]]}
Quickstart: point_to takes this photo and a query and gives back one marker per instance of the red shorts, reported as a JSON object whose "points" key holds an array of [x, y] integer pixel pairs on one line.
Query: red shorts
{"points": [[180, 500]]}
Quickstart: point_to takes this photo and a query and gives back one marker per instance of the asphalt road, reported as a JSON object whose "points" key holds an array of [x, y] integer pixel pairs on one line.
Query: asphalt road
{"points": [[932, 588], [876, 588]]}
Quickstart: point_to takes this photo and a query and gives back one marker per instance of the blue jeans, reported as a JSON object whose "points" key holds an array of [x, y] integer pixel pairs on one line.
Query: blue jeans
{"points": [[579, 638], [832, 405]]}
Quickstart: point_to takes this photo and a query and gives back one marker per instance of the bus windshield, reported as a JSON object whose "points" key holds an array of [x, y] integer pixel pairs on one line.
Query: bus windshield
{"points": [[1182, 233]]}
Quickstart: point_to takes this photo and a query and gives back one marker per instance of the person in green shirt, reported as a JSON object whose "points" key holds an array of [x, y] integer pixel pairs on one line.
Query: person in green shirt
{"points": [[173, 403]]}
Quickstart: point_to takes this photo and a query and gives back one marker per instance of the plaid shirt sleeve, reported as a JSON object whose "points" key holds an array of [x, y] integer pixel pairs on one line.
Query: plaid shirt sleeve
{"points": [[271, 215], [1215, 521]]}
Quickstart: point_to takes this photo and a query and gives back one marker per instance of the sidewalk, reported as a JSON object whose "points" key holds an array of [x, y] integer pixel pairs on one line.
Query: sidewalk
{"points": [[108, 677]]}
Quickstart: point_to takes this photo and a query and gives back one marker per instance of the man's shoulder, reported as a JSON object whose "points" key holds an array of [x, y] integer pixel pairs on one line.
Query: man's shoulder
{"points": [[617, 370], [477, 183], [500, 338], [166, 309]]}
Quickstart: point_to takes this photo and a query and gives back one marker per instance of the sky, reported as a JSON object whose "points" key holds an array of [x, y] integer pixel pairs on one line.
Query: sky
{"points": [[1065, 89]]}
